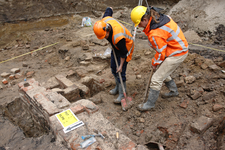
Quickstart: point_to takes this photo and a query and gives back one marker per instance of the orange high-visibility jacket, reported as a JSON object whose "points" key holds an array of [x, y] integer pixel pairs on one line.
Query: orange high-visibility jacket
{"points": [[120, 32], [167, 40]]}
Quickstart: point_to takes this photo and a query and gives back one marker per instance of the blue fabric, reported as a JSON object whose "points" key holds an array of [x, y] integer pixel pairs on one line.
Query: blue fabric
{"points": [[114, 68], [108, 12]]}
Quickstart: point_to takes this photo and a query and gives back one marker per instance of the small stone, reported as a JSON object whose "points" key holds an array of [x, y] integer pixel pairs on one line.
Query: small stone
{"points": [[196, 95], [85, 47], [70, 73], [214, 67], [184, 104], [27, 46], [147, 53], [15, 70], [204, 66], [217, 107], [30, 74], [138, 76], [11, 77], [4, 81], [84, 63], [25, 64], [67, 58], [180, 83], [190, 79], [141, 120], [5, 75], [137, 113]]}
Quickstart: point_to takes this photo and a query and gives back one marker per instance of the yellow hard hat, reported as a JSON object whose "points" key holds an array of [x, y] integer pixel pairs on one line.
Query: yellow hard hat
{"points": [[100, 29], [137, 13]]}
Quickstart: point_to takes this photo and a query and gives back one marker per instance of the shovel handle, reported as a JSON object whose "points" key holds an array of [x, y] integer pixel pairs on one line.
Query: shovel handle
{"points": [[121, 81], [147, 87]]}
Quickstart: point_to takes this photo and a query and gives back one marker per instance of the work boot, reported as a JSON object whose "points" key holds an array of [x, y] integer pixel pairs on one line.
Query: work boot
{"points": [[115, 90], [152, 97], [121, 96], [171, 85]]}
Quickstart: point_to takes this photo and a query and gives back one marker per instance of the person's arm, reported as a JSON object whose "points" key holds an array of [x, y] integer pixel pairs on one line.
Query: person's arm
{"points": [[160, 46], [121, 45], [108, 12]]}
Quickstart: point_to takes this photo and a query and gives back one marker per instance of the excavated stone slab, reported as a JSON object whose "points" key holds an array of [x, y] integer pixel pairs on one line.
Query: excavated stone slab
{"points": [[201, 124]]}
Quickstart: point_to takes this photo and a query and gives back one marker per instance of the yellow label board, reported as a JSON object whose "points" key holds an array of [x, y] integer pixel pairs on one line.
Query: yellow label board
{"points": [[67, 118]]}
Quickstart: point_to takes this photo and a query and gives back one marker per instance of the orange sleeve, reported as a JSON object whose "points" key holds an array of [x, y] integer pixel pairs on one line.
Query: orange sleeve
{"points": [[159, 44]]}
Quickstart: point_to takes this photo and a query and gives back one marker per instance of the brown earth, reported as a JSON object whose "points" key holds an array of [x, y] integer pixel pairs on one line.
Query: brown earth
{"points": [[168, 123]]}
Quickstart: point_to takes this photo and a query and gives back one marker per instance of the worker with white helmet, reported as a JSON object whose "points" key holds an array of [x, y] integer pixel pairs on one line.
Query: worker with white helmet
{"points": [[123, 45], [171, 47]]}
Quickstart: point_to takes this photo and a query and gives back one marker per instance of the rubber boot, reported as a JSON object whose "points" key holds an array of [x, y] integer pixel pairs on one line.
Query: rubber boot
{"points": [[115, 90], [171, 85], [152, 97], [121, 96]]}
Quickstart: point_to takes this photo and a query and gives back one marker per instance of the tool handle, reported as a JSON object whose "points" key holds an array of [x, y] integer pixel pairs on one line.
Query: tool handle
{"points": [[87, 136], [121, 81], [147, 87]]}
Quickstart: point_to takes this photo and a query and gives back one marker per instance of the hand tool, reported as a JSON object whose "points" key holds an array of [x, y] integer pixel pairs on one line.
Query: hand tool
{"points": [[126, 102], [96, 135]]}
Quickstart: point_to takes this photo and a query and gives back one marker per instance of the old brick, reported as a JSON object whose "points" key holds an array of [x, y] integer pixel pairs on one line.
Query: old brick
{"points": [[30, 74], [15, 70], [17, 76], [4, 81], [5, 75], [84, 90], [89, 106], [81, 72], [72, 93], [180, 83], [64, 81], [128, 146], [184, 104], [60, 101], [47, 105], [11, 77], [51, 83], [201, 124], [78, 108], [70, 73], [217, 107], [196, 95]]}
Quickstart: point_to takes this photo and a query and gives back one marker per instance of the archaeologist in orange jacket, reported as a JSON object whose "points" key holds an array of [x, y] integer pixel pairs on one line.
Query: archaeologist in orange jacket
{"points": [[122, 43], [171, 47]]}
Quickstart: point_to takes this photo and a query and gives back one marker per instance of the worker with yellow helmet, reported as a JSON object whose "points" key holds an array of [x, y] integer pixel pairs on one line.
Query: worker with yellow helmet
{"points": [[171, 47], [122, 43]]}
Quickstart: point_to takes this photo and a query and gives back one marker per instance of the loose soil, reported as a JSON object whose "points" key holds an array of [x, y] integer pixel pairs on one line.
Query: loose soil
{"points": [[141, 127]]}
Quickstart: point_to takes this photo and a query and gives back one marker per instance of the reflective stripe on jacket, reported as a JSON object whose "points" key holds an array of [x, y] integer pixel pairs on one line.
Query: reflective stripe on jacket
{"points": [[120, 32], [167, 40]]}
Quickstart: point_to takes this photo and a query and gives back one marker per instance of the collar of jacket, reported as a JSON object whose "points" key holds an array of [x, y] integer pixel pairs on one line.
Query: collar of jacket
{"points": [[163, 19]]}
